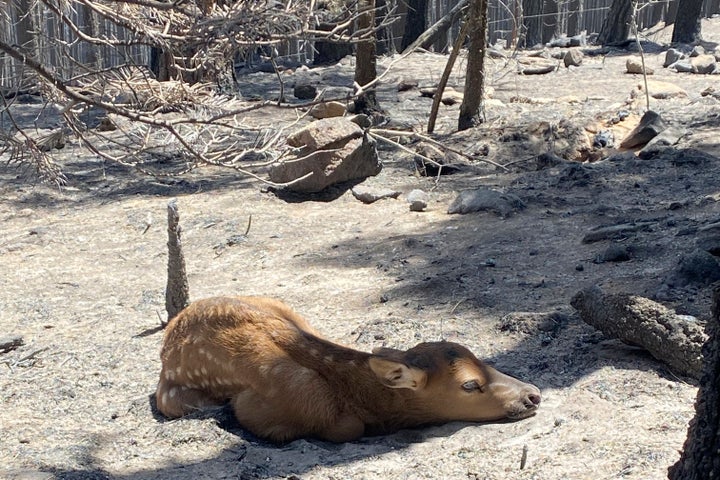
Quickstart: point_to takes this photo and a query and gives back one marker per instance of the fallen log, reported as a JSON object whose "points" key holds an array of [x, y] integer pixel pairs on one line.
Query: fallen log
{"points": [[675, 340]]}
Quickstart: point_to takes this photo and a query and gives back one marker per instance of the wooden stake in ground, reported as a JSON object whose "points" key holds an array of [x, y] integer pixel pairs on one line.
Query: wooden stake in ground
{"points": [[177, 291], [635, 320], [700, 459]]}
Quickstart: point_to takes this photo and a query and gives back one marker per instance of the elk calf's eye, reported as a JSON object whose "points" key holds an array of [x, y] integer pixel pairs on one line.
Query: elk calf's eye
{"points": [[472, 386]]}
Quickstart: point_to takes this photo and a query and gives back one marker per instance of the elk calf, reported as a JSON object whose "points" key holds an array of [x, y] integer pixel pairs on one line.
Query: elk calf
{"points": [[284, 381]]}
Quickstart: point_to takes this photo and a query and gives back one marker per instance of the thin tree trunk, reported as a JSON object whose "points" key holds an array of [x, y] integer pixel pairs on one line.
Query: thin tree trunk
{"points": [[470, 114], [366, 61], [700, 459]]}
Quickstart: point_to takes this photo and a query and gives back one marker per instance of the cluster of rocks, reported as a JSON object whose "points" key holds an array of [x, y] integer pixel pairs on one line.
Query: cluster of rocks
{"points": [[696, 61]]}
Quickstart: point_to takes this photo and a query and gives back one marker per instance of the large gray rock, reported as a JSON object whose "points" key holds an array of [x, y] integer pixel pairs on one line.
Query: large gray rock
{"points": [[329, 151]]}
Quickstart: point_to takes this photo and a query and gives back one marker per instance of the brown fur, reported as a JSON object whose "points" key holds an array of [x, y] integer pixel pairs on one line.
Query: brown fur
{"points": [[284, 381]]}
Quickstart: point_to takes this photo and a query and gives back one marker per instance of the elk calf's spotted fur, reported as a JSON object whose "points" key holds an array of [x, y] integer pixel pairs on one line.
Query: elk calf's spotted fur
{"points": [[284, 381]]}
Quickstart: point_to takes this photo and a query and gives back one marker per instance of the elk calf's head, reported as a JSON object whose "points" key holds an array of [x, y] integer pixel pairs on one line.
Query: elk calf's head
{"points": [[449, 383], [284, 381]]}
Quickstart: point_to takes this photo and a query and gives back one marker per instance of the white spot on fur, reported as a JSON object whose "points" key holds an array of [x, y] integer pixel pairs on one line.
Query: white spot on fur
{"points": [[178, 371], [197, 373], [164, 398], [169, 374], [314, 352], [203, 370], [328, 359], [173, 392]]}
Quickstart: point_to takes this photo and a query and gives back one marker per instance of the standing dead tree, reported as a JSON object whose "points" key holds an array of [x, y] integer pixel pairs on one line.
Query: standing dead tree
{"points": [[700, 459], [177, 292]]}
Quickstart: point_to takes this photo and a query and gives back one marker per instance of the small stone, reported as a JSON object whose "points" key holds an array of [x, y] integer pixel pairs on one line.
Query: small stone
{"points": [[573, 57], [370, 195], [328, 110], [634, 65], [672, 56], [305, 92], [407, 84], [703, 64], [663, 90], [418, 200], [614, 253], [697, 51], [683, 67]]}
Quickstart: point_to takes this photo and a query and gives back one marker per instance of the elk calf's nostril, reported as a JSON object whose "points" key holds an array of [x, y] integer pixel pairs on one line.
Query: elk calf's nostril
{"points": [[534, 399]]}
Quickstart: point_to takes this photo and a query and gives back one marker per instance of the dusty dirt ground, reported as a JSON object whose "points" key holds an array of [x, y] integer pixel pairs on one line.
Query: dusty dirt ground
{"points": [[83, 276]]}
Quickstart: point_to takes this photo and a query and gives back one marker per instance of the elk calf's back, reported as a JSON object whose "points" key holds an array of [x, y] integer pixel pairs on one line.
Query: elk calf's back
{"points": [[285, 381]]}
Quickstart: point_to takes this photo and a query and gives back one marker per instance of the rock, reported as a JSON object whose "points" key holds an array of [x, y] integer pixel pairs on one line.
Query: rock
{"points": [[407, 84], [328, 110], [667, 138], [11, 343], [672, 56], [418, 200], [502, 204], [573, 58], [683, 67], [431, 161], [703, 64], [697, 51], [451, 97], [332, 150], [324, 134], [651, 124], [634, 65], [562, 42], [614, 253], [538, 68], [578, 40], [698, 268], [361, 120], [663, 90], [305, 91], [370, 195]]}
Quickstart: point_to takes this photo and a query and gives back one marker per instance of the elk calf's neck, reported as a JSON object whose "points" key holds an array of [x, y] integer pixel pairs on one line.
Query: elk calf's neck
{"points": [[284, 381]]}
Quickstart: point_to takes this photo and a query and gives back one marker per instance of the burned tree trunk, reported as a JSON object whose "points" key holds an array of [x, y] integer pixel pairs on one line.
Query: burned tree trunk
{"points": [[177, 291], [700, 459], [470, 109], [366, 60], [635, 320], [616, 26]]}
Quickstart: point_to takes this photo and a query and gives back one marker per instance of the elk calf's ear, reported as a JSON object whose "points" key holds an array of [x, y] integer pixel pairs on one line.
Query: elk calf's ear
{"points": [[397, 375]]}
